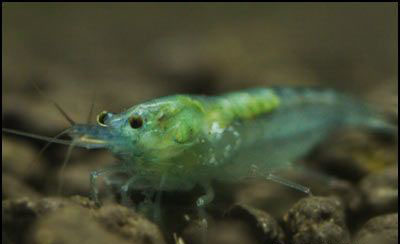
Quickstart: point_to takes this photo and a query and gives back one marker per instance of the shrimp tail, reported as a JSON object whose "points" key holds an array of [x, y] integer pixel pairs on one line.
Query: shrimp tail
{"points": [[360, 114]]}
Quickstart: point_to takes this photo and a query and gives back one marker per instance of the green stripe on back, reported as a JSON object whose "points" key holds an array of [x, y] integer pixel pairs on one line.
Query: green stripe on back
{"points": [[243, 105]]}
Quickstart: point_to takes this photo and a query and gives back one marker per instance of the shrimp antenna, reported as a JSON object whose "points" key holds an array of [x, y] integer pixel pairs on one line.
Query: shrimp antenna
{"points": [[66, 116], [43, 138], [52, 140], [64, 165], [91, 108], [45, 147]]}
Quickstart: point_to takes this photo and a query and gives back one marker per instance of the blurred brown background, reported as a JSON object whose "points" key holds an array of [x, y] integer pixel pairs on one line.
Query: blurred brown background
{"points": [[128, 52]]}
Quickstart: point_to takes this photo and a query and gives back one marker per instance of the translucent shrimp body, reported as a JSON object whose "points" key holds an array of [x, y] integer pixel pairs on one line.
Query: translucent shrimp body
{"points": [[176, 142]]}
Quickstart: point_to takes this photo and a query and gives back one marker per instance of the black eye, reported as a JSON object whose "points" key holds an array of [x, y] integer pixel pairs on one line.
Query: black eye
{"points": [[101, 118], [136, 122]]}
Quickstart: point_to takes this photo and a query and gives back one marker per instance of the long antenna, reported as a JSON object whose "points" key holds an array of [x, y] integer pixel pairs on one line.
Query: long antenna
{"points": [[91, 108], [66, 116], [64, 165], [43, 138]]}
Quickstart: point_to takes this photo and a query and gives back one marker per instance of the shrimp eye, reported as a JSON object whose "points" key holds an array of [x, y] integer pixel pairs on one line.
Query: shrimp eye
{"points": [[136, 122], [101, 118]]}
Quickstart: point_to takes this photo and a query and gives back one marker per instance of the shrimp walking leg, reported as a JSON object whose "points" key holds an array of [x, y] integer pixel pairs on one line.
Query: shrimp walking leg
{"points": [[125, 199], [203, 224], [289, 183], [206, 198], [93, 179], [201, 202], [111, 183], [157, 210], [153, 208], [147, 206]]}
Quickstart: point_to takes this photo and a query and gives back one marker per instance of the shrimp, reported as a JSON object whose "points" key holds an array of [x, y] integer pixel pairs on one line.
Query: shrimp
{"points": [[176, 142]]}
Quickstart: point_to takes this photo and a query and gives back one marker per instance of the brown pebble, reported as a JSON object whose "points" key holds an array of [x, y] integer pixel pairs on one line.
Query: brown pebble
{"points": [[128, 225], [382, 229], [349, 194], [264, 226], [317, 220], [53, 220], [72, 225], [20, 214], [219, 232], [380, 190]]}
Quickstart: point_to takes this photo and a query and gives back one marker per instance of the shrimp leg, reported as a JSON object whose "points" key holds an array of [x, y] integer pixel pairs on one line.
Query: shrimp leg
{"points": [[207, 197], [157, 210], [288, 183], [93, 179], [125, 200], [201, 202]]}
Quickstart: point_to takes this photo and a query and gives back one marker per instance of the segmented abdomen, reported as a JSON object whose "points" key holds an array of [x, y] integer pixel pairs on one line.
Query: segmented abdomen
{"points": [[289, 123]]}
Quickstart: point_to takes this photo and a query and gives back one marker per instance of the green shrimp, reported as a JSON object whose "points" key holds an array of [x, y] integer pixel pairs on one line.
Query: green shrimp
{"points": [[176, 142]]}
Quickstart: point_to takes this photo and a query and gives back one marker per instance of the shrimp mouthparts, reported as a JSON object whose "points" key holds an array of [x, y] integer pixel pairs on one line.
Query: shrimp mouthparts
{"points": [[90, 136]]}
